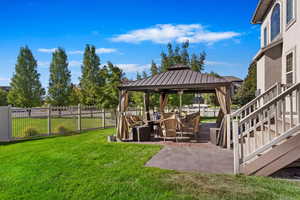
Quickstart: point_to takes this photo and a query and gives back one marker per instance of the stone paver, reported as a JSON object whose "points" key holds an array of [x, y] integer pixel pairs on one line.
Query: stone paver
{"points": [[205, 158], [199, 157]]}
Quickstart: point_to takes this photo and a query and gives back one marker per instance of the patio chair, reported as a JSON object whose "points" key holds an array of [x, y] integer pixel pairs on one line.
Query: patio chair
{"points": [[168, 115], [133, 121], [169, 128], [191, 122]]}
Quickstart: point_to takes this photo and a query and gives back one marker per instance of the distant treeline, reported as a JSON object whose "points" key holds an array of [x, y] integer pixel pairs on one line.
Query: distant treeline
{"points": [[97, 83]]}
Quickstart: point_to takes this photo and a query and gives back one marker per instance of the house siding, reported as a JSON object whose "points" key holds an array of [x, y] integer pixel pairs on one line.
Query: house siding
{"points": [[274, 60]]}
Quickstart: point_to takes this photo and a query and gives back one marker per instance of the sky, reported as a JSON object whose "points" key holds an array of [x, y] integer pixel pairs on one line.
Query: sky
{"points": [[129, 33]]}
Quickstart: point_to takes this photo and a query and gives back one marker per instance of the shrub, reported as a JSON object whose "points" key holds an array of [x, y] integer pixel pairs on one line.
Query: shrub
{"points": [[62, 129], [30, 132]]}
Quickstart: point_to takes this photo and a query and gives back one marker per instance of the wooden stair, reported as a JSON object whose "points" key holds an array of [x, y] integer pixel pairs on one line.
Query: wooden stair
{"points": [[277, 158], [266, 134]]}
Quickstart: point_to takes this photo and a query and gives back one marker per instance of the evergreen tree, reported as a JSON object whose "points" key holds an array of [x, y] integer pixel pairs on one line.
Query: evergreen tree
{"points": [[164, 62], [194, 63], [145, 75], [60, 79], [138, 76], [211, 99], [74, 97], [197, 63], [90, 81], [3, 98], [26, 88], [185, 58], [247, 92], [171, 60], [177, 59], [181, 56], [154, 68], [137, 97], [114, 76], [202, 59]]}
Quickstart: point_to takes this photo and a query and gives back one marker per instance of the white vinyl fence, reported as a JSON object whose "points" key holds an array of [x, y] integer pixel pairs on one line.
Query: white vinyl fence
{"points": [[20, 123]]}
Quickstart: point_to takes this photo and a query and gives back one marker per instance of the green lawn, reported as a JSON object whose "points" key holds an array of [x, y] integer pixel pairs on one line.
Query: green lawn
{"points": [[85, 166], [20, 125], [208, 119]]}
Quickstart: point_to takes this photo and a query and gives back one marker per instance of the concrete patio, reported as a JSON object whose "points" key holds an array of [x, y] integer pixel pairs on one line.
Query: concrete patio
{"points": [[198, 157]]}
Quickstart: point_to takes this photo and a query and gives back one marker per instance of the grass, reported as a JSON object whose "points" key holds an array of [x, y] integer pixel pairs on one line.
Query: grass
{"points": [[20, 125], [208, 119], [85, 166]]}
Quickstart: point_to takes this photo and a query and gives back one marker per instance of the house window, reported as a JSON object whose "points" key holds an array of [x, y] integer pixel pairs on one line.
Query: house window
{"points": [[265, 36], [289, 11], [275, 22], [289, 68]]}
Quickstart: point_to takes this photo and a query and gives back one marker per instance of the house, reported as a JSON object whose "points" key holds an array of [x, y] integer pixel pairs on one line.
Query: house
{"points": [[266, 131], [278, 59]]}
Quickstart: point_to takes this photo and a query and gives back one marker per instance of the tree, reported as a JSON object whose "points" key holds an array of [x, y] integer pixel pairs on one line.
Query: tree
{"points": [[113, 78], [211, 99], [154, 69], [247, 92], [164, 62], [90, 81], [26, 88], [137, 97], [74, 97], [138, 76], [3, 98], [197, 63], [145, 75], [59, 89], [180, 55]]}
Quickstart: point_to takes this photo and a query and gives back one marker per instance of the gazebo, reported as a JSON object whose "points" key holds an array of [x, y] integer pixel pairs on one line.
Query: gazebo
{"points": [[177, 79]]}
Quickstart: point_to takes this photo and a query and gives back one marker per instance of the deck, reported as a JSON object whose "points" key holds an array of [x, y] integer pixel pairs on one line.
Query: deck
{"points": [[197, 155]]}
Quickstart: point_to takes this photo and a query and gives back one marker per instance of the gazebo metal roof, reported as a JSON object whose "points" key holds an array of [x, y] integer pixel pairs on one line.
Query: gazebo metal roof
{"points": [[178, 77]]}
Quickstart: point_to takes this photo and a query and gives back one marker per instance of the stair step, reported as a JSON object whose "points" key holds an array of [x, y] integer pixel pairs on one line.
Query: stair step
{"points": [[274, 159]]}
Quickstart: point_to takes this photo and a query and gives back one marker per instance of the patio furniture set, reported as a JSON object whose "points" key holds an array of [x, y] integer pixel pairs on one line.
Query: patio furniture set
{"points": [[171, 126]]}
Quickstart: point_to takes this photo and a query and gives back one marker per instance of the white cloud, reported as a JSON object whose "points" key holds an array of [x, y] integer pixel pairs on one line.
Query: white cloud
{"points": [[75, 52], [43, 63], [3, 79], [75, 63], [99, 51], [72, 63], [221, 63], [105, 50], [133, 67], [44, 50], [164, 33]]}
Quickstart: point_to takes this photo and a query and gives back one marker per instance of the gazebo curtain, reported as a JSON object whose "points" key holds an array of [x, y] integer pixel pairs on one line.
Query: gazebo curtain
{"points": [[122, 128], [223, 96], [163, 100]]}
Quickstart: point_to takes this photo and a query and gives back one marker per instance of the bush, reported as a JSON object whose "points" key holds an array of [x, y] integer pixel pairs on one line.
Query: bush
{"points": [[30, 132], [62, 129]]}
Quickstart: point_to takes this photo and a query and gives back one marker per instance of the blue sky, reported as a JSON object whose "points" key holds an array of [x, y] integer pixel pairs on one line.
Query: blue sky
{"points": [[129, 33]]}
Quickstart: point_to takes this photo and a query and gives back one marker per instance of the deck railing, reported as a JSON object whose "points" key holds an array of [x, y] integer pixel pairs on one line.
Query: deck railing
{"points": [[264, 122]]}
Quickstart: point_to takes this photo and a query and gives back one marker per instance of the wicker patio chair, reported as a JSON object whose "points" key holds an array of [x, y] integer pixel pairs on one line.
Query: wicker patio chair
{"points": [[169, 128], [191, 122], [168, 115]]}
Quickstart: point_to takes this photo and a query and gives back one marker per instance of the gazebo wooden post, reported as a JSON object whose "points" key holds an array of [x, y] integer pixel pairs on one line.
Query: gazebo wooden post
{"points": [[180, 102], [146, 105]]}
